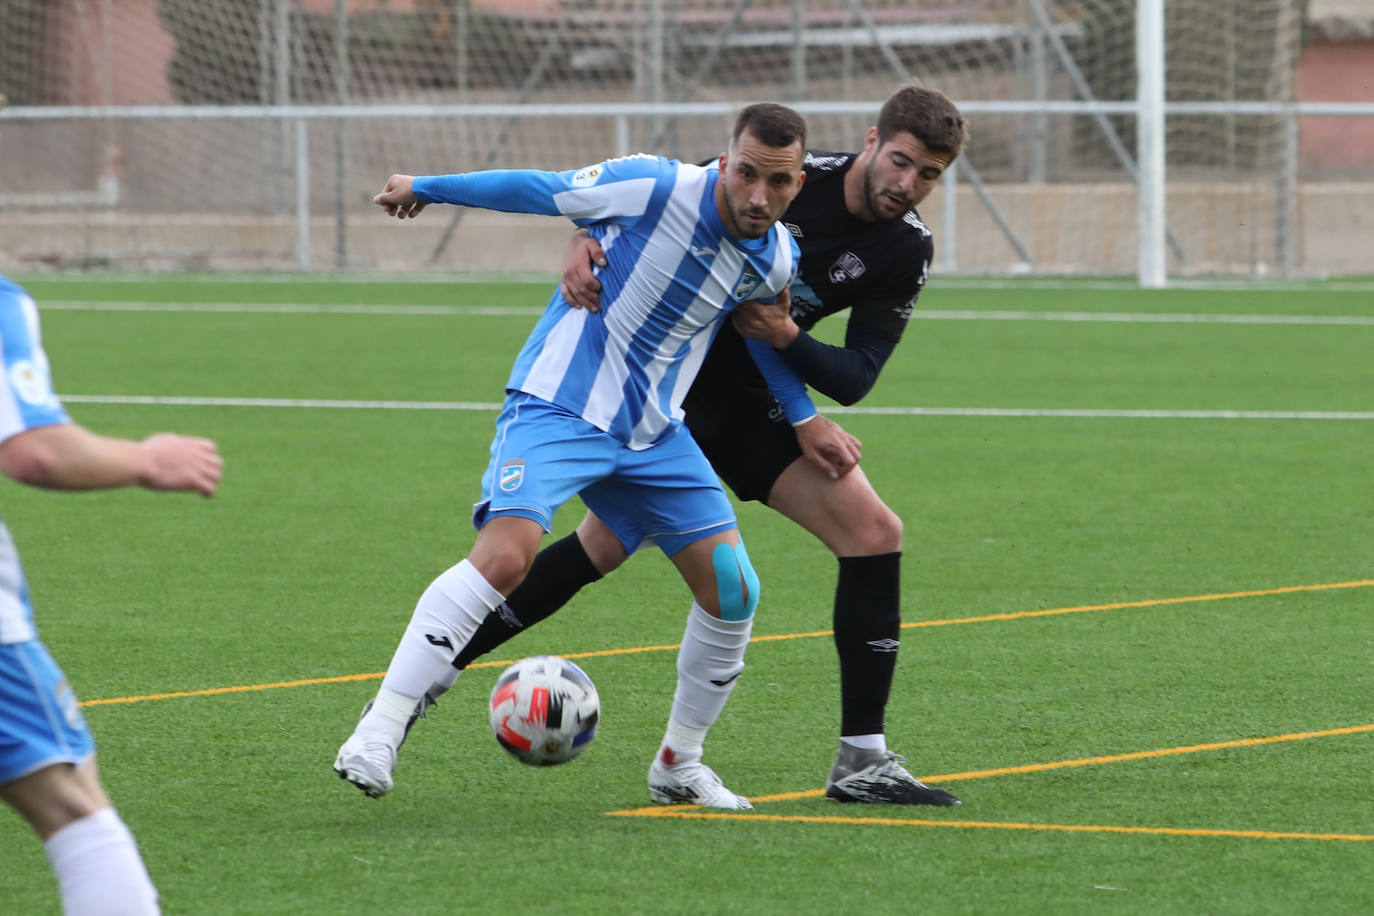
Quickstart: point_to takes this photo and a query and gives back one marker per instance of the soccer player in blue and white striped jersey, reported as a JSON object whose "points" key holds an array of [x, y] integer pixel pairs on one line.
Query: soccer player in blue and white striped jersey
{"points": [[593, 408], [47, 755]]}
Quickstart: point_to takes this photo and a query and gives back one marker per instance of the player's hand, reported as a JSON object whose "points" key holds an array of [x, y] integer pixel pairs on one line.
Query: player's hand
{"points": [[398, 199], [772, 324], [828, 446], [186, 463], [580, 286]]}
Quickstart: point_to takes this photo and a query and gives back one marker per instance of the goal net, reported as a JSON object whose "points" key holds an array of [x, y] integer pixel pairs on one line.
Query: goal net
{"points": [[250, 134]]}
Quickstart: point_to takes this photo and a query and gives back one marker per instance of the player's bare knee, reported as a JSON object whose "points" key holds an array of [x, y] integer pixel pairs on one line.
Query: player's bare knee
{"points": [[737, 585], [55, 797], [886, 531], [870, 530], [503, 565]]}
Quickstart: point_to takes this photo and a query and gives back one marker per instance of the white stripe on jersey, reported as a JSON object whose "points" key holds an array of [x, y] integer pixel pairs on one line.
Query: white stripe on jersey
{"points": [[636, 304], [16, 622], [604, 201], [717, 287], [26, 401], [556, 356]]}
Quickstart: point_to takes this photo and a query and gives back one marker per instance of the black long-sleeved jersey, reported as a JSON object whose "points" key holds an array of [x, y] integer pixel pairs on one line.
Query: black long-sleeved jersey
{"points": [[876, 269]]}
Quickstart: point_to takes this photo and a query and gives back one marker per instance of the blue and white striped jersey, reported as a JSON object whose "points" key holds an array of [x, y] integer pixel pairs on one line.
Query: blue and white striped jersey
{"points": [[26, 400], [673, 273]]}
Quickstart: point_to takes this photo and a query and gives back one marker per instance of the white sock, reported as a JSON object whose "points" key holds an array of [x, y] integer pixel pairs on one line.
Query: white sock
{"points": [[708, 667], [446, 616], [99, 871], [866, 742], [681, 744], [445, 683]]}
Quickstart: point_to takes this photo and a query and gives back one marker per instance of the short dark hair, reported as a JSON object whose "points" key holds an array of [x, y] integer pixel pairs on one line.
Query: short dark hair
{"points": [[771, 124], [926, 114]]}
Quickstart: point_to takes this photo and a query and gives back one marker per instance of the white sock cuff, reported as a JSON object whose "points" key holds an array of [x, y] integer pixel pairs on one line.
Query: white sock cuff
{"points": [[85, 833], [96, 862], [464, 579], [724, 633]]}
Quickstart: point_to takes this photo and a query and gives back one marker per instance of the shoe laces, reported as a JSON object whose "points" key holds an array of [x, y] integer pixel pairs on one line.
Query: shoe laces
{"points": [[891, 759], [892, 767], [695, 775]]}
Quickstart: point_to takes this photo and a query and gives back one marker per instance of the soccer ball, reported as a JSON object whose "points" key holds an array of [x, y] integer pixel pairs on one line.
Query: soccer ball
{"points": [[544, 710]]}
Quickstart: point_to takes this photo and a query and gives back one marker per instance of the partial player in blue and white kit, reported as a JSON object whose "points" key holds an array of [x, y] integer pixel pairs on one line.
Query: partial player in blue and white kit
{"points": [[593, 407], [47, 755]]}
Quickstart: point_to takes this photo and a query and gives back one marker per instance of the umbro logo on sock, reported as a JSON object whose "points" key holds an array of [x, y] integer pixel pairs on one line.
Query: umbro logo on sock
{"points": [[503, 610], [439, 641], [884, 645], [726, 681]]}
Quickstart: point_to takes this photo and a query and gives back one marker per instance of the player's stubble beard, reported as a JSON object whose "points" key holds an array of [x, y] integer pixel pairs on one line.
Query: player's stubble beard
{"points": [[873, 198], [740, 225]]}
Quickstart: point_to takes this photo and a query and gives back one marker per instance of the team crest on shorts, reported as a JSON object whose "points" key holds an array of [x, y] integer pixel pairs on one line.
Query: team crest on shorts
{"points": [[512, 475], [66, 701]]}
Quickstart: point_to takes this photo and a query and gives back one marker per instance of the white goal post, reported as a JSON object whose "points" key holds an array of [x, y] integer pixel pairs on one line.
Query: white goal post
{"points": [[1109, 137]]}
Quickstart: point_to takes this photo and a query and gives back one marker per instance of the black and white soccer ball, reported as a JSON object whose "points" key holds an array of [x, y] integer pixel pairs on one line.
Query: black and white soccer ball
{"points": [[544, 710]]}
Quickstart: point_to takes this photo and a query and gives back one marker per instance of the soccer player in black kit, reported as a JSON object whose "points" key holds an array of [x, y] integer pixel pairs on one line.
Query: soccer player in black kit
{"points": [[865, 249]]}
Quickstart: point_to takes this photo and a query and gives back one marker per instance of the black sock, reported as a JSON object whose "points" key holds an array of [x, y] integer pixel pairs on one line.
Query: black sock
{"points": [[559, 571], [867, 633]]}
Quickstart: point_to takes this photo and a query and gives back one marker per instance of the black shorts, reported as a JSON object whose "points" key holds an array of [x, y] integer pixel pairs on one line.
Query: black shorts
{"points": [[744, 435]]}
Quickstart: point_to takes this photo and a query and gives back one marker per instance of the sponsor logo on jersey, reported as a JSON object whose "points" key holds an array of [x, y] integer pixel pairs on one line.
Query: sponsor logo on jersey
{"points": [[795, 230], [512, 475], [588, 176], [904, 311], [913, 220], [825, 163], [30, 383], [846, 267], [704, 251], [747, 284], [804, 300]]}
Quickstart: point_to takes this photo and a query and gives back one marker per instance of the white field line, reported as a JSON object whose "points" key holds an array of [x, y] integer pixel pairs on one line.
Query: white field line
{"points": [[885, 411], [287, 308], [307, 308], [1140, 317], [1244, 285]]}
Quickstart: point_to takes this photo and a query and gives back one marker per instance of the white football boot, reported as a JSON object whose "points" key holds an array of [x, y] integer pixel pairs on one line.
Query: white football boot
{"points": [[691, 784], [367, 760]]}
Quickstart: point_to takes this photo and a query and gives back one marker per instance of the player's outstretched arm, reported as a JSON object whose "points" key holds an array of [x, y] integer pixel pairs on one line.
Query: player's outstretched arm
{"points": [[580, 286], [398, 197], [66, 456]]}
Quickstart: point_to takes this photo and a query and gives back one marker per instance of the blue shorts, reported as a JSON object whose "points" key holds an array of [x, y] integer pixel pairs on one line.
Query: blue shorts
{"points": [[543, 455], [40, 721]]}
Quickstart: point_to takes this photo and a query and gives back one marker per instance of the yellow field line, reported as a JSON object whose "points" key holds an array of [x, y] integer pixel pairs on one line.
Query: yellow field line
{"points": [[1111, 758], [697, 814], [601, 653], [1150, 602]]}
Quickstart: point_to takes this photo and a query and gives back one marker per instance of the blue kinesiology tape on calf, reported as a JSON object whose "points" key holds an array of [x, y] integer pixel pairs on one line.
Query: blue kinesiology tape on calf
{"points": [[737, 585]]}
